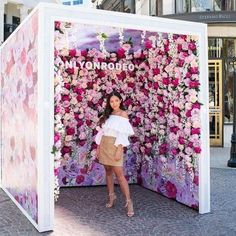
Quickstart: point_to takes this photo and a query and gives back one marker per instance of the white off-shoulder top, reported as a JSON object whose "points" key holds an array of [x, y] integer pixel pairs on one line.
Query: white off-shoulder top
{"points": [[116, 126]]}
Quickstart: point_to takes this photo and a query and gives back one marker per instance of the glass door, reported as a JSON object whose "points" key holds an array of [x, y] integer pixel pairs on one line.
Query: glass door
{"points": [[215, 102]]}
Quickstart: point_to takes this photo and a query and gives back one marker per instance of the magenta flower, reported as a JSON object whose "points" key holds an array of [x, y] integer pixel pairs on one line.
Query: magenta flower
{"points": [[156, 71], [197, 149], [120, 53], [166, 81], [148, 44], [65, 150], [70, 131], [72, 52], [195, 131], [192, 46], [171, 189], [79, 179], [56, 137]]}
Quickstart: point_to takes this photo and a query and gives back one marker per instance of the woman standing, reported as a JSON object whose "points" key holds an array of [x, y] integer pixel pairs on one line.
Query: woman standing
{"points": [[111, 139]]}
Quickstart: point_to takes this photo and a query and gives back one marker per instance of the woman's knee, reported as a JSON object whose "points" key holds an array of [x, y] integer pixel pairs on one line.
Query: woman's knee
{"points": [[108, 170]]}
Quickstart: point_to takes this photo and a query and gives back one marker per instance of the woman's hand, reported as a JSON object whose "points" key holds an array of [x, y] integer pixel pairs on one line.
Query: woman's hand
{"points": [[119, 153]]}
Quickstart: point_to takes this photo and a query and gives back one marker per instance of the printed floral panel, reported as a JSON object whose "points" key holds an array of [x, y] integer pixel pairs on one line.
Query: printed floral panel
{"points": [[19, 116], [157, 75]]}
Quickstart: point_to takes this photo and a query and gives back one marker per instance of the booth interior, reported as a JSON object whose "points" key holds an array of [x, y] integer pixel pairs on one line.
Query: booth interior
{"points": [[57, 69]]}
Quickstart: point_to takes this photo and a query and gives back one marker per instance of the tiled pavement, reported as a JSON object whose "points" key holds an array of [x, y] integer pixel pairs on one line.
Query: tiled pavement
{"points": [[81, 211]]}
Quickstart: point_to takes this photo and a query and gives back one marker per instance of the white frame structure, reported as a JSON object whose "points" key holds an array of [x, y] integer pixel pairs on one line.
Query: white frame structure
{"points": [[48, 13]]}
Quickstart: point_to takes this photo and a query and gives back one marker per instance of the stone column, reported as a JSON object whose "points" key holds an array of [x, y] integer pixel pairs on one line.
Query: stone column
{"points": [[2, 5], [23, 12]]}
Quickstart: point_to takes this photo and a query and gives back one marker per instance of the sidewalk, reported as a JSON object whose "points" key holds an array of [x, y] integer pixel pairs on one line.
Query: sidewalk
{"points": [[219, 157], [81, 211]]}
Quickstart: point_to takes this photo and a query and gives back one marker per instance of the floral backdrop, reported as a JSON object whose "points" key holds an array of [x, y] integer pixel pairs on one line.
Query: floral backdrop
{"points": [[157, 75], [19, 116]]}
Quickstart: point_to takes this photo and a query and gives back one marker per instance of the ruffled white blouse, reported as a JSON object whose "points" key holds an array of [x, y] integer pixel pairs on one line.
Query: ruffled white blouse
{"points": [[118, 127]]}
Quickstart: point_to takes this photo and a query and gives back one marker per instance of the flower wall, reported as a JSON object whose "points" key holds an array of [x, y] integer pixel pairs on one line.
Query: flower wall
{"points": [[157, 74], [19, 75]]}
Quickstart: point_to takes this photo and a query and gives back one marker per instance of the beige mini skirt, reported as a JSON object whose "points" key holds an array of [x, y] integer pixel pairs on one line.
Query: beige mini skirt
{"points": [[107, 152]]}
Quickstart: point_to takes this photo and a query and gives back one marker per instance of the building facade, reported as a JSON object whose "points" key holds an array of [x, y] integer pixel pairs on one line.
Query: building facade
{"points": [[13, 12], [220, 16]]}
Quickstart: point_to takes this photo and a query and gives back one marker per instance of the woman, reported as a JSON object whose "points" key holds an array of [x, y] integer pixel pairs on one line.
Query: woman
{"points": [[111, 139]]}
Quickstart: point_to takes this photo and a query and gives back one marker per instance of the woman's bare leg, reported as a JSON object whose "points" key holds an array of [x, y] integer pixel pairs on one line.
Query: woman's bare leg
{"points": [[118, 170], [110, 186]]}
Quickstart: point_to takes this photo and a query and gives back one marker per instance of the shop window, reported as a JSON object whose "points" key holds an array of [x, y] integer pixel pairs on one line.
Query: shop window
{"points": [[224, 5], [129, 6]]}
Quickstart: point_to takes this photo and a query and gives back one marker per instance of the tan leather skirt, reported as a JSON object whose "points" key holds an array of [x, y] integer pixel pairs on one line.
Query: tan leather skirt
{"points": [[107, 152]]}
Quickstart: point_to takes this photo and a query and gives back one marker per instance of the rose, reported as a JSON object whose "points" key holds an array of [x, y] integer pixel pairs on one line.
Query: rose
{"points": [[72, 53], [156, 71], [148, 44], [171, 189], [65, 150], [195, 131], [70, 131], [197, 150], [120, 52], [79, 179]]}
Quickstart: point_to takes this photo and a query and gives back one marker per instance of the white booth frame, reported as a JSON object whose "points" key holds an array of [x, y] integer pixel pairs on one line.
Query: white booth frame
{"points": [[48, 13]]}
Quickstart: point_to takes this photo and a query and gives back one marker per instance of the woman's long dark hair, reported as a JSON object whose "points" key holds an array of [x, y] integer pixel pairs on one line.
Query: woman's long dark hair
{"points": [[108, 109]]}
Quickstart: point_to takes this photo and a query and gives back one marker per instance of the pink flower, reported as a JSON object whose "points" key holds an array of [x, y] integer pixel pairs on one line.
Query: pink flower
{"points": [[79, 98], [79, 179], [29, 69], [193, 70], [174, 151], [70, 131], [193, 84], [128, 102], [171, 189], [195, 131], [197, 150], [175, 82], [166, 81], [121, 76], [84, 53], [174, 129], [181, 140], [65, 150], [196, 180], [196, 105], [70, 71], [120, 53], [56, 137], [175, 110], [192, 46], [148, 44], [72, 52], [65, 98], [23, 56], [131, 85], [155, 85], [57, 24], [67, 86], [57, 109], [156, 71]]}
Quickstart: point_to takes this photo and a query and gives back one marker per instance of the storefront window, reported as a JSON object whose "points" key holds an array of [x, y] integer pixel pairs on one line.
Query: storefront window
{"points": [[185, 6], [201, 5], [224, 5], [215, 48], [129, 6], [225, 49]]}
